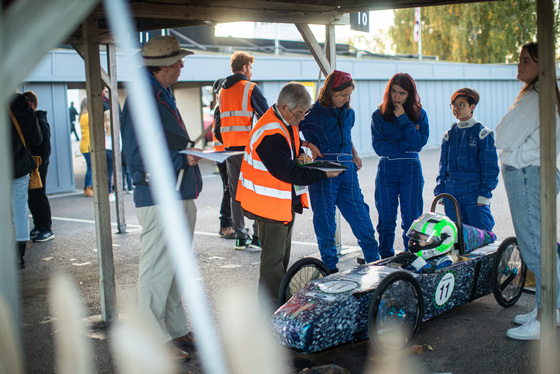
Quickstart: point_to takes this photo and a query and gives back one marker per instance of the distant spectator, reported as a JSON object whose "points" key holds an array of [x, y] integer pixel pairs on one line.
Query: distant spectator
{"points": [[108, 147], [23, 165], [84, 148], [38, 201], [72, 112]]}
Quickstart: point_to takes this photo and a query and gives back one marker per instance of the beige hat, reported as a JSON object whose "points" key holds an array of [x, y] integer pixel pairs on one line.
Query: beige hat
{"points": [[163, 51]]}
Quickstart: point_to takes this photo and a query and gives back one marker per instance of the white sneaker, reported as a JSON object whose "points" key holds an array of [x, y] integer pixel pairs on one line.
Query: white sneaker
{"points": [[522, 319], [529, 331]]}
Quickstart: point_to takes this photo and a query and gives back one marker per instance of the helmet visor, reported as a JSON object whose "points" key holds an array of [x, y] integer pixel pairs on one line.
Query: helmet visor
{"points": [[419, 241]]}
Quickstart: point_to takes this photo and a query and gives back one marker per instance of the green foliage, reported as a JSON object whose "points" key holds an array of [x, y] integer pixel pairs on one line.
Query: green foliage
{"points": [[487, 32]]}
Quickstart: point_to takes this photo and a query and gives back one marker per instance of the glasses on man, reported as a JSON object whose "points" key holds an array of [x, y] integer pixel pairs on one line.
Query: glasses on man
{"points": [[301, 116], [457, 106], [182, 62]]}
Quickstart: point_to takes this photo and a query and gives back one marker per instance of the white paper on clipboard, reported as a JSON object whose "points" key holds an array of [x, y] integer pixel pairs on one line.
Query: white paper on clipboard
{"points": [[213, 155]]}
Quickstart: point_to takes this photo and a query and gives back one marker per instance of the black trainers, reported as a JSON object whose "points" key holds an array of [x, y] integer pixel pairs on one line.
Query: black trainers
{"points": [[255, 243], [44, 236], [240, 244], [33, 234]]}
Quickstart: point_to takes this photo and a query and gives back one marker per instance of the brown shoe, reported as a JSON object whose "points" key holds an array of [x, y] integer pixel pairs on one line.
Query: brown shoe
{"points": [[88, 191], [227, 233], [179, 355], [187, 340]]}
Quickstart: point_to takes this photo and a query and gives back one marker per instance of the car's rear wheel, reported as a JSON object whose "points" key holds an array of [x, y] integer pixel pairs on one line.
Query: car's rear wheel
{"points": [[299, 275]]}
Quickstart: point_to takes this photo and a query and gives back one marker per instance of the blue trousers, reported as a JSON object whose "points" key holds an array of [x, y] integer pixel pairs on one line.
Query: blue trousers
{"points": [[87, 178], [20, 212], [343, 192], [523, 191], [466, 193], [397, 181]]}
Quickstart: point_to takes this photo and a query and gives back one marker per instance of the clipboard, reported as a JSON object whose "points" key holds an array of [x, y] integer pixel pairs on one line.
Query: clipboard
{"points": [[324, 166]]}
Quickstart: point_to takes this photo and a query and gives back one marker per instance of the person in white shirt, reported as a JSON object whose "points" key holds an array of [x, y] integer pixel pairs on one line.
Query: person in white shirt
{"points": [[517, 136]]}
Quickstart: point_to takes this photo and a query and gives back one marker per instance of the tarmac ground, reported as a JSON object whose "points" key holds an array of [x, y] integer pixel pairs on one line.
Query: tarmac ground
{"points": [[468, 339]]}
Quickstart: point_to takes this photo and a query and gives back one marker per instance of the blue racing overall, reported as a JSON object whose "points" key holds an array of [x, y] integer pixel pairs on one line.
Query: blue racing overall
{"points": [[399, 174], [468, 170]]}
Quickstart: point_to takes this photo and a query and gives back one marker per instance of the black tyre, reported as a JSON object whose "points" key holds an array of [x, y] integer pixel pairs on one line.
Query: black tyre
{"points": [[509, 273], [298, 275], [395, 312]]}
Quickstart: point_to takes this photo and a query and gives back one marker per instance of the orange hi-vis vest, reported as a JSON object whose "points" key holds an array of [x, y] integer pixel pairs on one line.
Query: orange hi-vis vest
{"points": [[257, 190], [236, 113]]}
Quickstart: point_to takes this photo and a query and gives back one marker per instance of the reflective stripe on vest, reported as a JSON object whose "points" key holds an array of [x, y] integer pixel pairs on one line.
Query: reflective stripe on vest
{"points": [[236, 113], [265, 191], [257, 164], [258, 191], [244, 112]]}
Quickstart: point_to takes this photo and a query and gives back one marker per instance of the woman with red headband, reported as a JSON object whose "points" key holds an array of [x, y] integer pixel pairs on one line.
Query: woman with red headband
{"points": [[468, 165], [328, 126], [399, 129]]}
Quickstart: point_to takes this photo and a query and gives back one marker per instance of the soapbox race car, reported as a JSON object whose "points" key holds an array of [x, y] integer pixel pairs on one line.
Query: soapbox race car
{"points": [[386, 302]]}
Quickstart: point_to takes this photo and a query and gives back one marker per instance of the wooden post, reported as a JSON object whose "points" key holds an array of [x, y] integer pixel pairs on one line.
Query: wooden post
{"points": [[315, 48], [9, 277], [547, 116], [330, 41], [116, 136], [99, 169]]}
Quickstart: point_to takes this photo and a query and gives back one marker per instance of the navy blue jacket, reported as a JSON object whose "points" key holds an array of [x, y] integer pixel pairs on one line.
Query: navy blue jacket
{"points": [[43, 149], [177, 140], [468, 152], [400, 138], [330, 129], [27, 120]]}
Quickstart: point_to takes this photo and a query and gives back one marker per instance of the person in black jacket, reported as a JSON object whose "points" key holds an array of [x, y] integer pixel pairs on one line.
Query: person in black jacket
{"points": [[38, 201], [73, 113], [23, 165]]}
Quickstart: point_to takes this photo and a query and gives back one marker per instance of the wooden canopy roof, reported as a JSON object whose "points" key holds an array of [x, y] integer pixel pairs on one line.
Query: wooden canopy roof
{"points": [[160, 14]]}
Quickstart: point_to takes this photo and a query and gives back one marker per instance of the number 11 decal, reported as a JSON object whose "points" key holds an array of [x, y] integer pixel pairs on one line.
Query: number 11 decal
{"points": [[444, 289]]}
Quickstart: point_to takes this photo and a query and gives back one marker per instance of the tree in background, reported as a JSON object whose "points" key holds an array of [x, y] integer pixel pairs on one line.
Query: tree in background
{"points": [[489, 32]]}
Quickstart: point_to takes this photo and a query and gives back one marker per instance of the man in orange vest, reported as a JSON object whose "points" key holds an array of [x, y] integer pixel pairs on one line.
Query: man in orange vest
{"points": [[270, 184], [240, 101]]}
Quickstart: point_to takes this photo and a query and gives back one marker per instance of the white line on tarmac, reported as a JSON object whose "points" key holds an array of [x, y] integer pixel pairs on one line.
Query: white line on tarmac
{"points": [[345, 250]]}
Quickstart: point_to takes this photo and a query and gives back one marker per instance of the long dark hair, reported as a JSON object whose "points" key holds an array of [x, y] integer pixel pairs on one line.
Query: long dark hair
{"points": [[412, 104], [533, 49]]}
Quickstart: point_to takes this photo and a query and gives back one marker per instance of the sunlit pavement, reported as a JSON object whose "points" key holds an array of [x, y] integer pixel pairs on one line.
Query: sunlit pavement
{"points": [[468, 339]]}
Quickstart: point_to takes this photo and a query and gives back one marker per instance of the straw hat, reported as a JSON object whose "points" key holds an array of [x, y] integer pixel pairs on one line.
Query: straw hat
{"points": [[163, 51]]}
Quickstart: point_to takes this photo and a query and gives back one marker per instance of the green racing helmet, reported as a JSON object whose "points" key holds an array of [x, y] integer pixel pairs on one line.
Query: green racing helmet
{"points": [[431, 235]]}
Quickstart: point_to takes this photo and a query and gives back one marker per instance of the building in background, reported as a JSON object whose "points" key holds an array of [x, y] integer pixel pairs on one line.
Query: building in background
{"points": [[62, 70]]}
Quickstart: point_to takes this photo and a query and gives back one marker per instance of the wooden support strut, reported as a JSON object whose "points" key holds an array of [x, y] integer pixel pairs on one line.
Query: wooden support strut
{"points": [[102, 209]]}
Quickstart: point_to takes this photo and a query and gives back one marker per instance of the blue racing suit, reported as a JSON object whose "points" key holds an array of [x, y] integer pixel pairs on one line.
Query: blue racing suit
{"points": [[330, 130], [399, 174], [468, 170]]}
